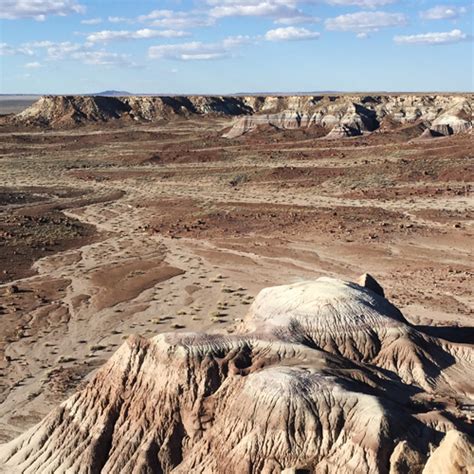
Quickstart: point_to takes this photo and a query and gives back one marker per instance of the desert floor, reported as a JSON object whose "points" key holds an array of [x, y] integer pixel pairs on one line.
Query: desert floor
{"points": [[140, 229], [13, 104]]}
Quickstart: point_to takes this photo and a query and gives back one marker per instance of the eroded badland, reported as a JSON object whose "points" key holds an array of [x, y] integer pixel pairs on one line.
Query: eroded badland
{"points": [[145, 216]]}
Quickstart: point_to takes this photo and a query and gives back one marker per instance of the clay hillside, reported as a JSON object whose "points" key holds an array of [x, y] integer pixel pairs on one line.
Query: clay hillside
{"points": [[324, 376], [336, 115]]}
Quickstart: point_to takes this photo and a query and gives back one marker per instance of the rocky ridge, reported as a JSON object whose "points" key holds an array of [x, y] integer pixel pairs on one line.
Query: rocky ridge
{"points": [[325, 376], [64, 111], [347, 116], [340, 115]]}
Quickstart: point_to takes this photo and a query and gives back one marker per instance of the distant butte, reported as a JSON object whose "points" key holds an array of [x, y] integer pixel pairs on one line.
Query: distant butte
{"points": [[337, 115]]}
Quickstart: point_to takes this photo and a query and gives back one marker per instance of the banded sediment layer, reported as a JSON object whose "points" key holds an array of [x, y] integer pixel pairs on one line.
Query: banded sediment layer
{"points": [[337, 115], [324, 376]]}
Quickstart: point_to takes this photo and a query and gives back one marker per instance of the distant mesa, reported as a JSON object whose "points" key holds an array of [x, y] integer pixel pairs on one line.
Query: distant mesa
{"points": [[71, 111], [112, 93], [339, 116], [325, 376]]}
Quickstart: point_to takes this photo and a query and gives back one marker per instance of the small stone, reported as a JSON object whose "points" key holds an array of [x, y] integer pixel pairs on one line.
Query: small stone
{"points": [[12, 289]]}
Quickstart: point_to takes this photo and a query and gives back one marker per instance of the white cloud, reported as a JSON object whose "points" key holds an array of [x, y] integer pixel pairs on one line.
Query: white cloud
{"points": [[260, 8], [119, 19], [33, 65], [443, 12], [290, 33], [38, 44], [80, 52], [7, 50], [455, 36], [92, 21], [176, 19], [64, 50], [147, 33], [38, 9], [106, 36], [297, 20], [365, 21], [197, 50], [278, 8], [361, 3], [283, 12], [103, 58]]}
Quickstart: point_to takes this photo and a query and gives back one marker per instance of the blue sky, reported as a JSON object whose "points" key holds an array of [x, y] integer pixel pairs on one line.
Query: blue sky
{"points": [[227, 46]]}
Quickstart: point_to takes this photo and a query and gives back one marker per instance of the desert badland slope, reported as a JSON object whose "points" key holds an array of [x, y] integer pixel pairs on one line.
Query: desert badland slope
{"points": [[339, 115], [326, 376], [132, 249]]}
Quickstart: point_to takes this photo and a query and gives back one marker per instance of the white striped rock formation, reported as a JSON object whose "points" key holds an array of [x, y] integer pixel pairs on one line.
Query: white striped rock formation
{"points": [[325, 377], [346, 116], [342, 115]]}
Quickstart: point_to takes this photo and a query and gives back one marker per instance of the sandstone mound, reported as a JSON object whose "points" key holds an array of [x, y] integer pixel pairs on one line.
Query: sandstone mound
{"points": [[362, 326], [326, 376]]}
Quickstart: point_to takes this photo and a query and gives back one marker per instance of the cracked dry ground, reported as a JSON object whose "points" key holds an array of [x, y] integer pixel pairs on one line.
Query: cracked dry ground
{"points": [[143, 230]]}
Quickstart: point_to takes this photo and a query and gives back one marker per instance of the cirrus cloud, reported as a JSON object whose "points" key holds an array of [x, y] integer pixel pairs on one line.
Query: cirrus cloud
{"points": [[454, 36], [33, 65], [91, 21], [8, 50], [103, 58], [297, 20], [443, 12]]}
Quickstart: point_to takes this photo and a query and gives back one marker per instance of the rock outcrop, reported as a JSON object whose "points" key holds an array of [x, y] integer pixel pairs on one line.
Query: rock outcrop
{"points": [[66, 111], [326, 376], [340, 131], [454, 455], [347, 116], [368, 281], [340, 115]]}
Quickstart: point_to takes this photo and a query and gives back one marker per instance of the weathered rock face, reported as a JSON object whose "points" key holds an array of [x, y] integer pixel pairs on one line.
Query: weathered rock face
{"points": [[327, 376], [64, 111], [347, 116], [340, 131], [454, 455], [341, 115]]}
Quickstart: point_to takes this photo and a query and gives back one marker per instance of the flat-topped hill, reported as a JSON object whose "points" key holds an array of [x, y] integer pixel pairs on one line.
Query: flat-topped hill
{"points": [[339, 115]]}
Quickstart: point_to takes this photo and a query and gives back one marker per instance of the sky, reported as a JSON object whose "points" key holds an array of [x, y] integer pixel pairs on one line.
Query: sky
{"points": [[235, 46]]}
